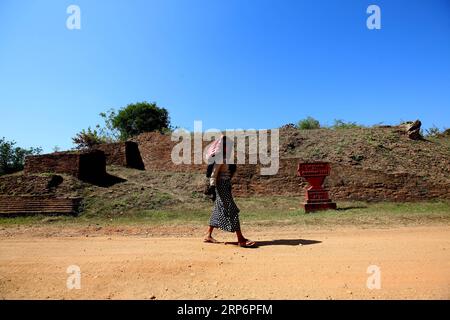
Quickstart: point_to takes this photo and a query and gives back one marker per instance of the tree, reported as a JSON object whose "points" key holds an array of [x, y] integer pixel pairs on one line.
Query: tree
{"points": [[108, 131], [12, 158], [127, 122], [89, 138], [141, 117]]}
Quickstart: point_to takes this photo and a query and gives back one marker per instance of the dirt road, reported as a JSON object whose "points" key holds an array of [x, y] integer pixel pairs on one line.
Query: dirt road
{"points": [[294, 264]]}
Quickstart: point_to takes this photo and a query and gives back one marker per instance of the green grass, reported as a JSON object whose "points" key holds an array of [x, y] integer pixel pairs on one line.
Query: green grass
{"points": [[262, 211]]}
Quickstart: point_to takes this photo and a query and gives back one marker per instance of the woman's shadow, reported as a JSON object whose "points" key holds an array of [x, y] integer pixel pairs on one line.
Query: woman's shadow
{"points": [[287, 242], [282, 242]]}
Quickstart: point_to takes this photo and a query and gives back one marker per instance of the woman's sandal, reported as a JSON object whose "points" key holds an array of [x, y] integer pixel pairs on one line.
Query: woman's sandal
{"points": [[247, 244], [210, 240]]}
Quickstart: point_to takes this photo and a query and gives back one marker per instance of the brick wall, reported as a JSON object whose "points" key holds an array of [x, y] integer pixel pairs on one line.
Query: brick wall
{"points": [[353, 183], [92, 166], [124, 154], [87, 166], [14, 205], [346, 182], [155, 150]]}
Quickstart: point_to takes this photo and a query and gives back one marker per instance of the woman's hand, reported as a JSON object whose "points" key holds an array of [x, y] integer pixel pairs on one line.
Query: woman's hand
{"points": [[210, 191]]}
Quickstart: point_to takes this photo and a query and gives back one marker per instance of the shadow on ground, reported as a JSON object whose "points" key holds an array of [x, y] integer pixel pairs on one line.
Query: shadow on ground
{"points": [[287, 242], [282, 242], [351, 208], [105, 181]]}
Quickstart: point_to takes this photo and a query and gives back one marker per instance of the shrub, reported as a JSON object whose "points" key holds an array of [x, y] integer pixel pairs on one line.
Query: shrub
{"points": [[308, 124], [341, 124], [87, 139], [433, 132]]}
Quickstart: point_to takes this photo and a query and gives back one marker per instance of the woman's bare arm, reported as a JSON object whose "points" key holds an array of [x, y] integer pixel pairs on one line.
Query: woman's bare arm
{"points": [[214, 174]]}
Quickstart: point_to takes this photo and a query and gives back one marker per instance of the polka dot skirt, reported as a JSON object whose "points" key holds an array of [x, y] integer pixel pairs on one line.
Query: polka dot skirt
{"points": [[225, 213]]}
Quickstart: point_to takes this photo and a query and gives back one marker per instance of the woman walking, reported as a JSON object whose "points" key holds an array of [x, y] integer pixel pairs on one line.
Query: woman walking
{"points": [[225, 214]]}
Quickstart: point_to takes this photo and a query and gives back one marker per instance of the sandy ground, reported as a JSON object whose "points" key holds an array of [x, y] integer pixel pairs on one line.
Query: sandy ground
{"points": [[289, 264]]}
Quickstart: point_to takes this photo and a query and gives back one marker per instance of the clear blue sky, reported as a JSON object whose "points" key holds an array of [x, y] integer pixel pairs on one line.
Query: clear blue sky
{"points": [[230, 63]]}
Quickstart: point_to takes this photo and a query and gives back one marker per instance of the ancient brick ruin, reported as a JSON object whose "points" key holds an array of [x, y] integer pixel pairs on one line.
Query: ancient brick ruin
{"points": [[155, 150], [39, 191], [23, 205], [346, 181], [61, 175], [86, 166], [125, 154]]}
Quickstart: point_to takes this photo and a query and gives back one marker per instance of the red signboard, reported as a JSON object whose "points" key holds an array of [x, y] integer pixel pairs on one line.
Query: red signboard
{"points": [[313, 169], [317, 198]]}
